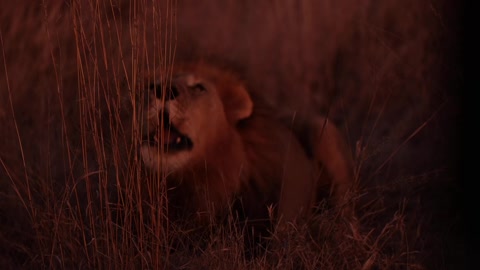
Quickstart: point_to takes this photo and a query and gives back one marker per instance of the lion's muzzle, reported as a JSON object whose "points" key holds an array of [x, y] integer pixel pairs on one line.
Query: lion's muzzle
{"points": [[166, 134]]}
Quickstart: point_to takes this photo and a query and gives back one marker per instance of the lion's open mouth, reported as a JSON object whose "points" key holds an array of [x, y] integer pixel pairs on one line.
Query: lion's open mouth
{"points": [[172, 139]]}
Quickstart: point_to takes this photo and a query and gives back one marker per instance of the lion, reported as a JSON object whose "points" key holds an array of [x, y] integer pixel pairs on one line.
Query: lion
{"points": [[219, 147]]}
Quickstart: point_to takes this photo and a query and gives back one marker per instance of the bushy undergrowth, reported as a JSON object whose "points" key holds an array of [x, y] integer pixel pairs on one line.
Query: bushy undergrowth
{"points": [[74, 195]]}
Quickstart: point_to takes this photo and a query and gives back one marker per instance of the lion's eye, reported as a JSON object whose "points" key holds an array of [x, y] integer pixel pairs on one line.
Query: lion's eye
{"points": [[152, 86], [171, 93], [200, 87], [156, 88]]}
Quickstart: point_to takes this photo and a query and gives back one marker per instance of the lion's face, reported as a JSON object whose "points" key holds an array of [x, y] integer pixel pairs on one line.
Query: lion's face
{"points": [[184, 120], [180, 118]]}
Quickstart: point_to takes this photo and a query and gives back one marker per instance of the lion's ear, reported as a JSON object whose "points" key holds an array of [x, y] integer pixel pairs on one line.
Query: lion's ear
{"points": [[238, 104]]}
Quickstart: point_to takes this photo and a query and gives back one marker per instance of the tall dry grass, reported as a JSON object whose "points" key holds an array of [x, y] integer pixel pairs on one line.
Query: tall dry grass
{"points": [[73, 191]]}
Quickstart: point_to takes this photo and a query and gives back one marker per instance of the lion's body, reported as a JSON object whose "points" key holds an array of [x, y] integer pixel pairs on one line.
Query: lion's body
{"points": [[233, 150]]}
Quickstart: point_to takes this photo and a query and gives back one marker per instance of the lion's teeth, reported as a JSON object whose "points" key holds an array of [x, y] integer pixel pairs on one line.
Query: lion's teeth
{"points": [[178, 140]]}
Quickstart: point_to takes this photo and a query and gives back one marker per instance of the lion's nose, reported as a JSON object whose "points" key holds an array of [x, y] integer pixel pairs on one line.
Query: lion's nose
{"points": [[166, 118], [171, 91]]}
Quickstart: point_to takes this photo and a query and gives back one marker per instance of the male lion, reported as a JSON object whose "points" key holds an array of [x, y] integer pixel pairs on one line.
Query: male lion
{"points": [[219, 148]]}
